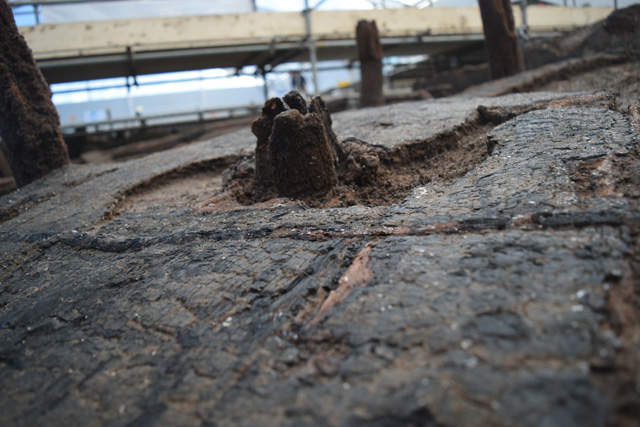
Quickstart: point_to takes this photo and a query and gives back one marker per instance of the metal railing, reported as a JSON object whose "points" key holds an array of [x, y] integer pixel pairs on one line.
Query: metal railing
{"points": [[139, 121]]}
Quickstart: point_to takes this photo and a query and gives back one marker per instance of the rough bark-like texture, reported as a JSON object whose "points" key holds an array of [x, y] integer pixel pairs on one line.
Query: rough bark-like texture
{"points": [[296, 148], [29, 123], [506, 297], [370, 56], [319, 107], [5, 170], [295, 101], [301, 157], [501, 40], [261, 128]]}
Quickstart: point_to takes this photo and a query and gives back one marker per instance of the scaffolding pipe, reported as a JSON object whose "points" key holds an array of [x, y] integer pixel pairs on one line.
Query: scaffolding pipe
{"points": [[313, 55], [523, 9], [265, 85]]}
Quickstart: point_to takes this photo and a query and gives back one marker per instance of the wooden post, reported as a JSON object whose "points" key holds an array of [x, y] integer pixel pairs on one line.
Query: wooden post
{"points": [[261, 127], [370, 56], [501, 40], [301, 157], [29, 122], [296, 149]]}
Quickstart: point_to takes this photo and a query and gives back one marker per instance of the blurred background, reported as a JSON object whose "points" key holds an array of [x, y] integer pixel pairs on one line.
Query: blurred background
{"points": [[124, 71]]}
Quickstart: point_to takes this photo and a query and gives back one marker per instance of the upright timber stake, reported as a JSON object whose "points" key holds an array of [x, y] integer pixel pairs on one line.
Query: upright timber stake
{"points": [[302, 160], [501, 40], [299, 156], [296, 148], [29, 123], [261, 127], [313, 53], [370, 56]]}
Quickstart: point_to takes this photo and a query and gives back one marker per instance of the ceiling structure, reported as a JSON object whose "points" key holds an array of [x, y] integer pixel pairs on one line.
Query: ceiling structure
{"points": [[103, 49]]}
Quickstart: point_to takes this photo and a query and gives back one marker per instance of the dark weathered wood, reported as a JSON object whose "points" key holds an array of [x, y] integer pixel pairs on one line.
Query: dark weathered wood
{"points": [[295, 101], [5, 170], [501, 40], [502, 295], [506, 295], [29, 123], [319, 107], [301, 157], [370, 56], [297, 151], [261, 128]]}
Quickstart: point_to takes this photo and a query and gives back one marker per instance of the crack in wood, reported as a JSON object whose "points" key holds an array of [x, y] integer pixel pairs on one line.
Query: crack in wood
{"points": [[358, 274]]}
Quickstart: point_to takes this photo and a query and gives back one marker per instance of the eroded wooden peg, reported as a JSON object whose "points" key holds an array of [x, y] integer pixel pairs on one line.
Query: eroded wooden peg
{"points": [[261, 128], [295, 101], [370, 55], [319, 107], [301, 157]]}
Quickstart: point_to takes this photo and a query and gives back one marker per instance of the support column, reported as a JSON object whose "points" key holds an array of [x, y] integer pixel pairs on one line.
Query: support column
{"points": [[370, 56], [313, 54], [523, 9], [29, 122], [265, 84], [501, 40]]}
